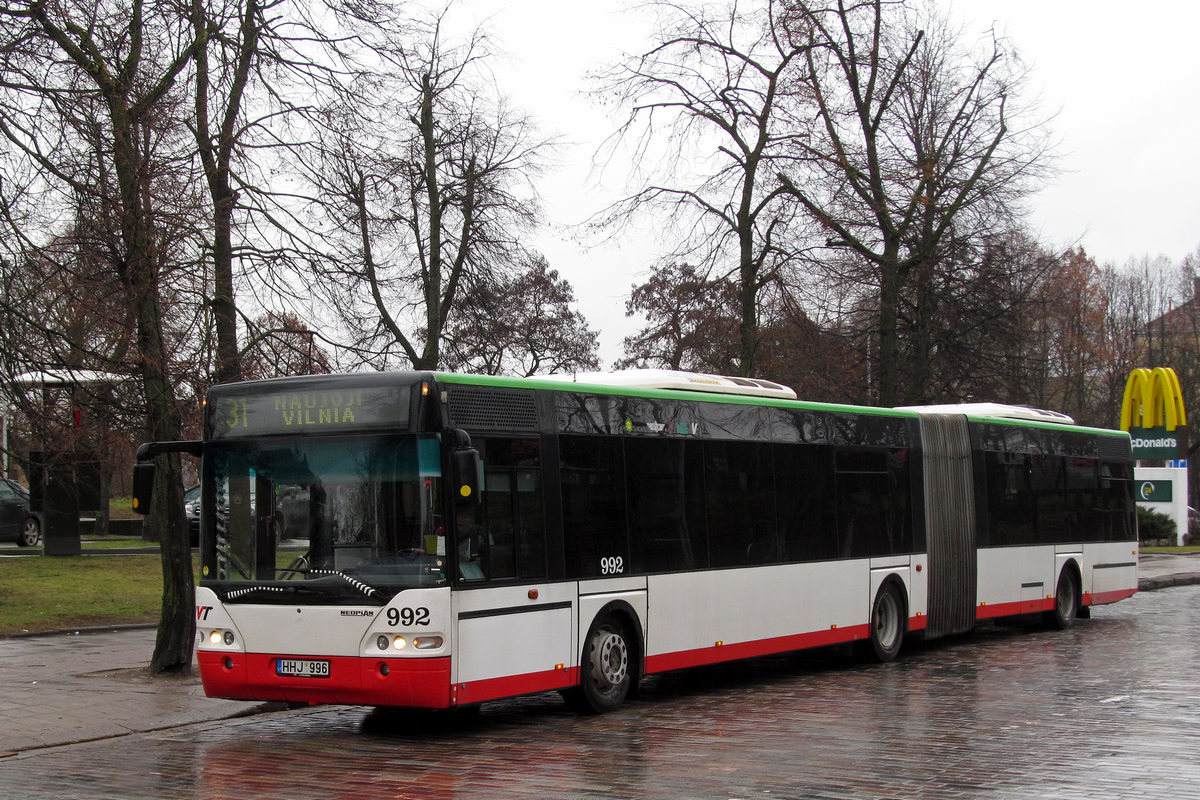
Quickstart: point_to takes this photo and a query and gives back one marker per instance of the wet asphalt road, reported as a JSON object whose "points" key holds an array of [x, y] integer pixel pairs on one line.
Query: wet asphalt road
{"points": [[1108, 709]]}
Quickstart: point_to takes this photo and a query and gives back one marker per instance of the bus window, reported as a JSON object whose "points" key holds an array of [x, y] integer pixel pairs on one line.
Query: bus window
{"points": [[1047, 483], [738, 484], [874, 518], [593, 503], [803, 486], [1009, 499], [666, 504], [1114, 521], [505, 538]]}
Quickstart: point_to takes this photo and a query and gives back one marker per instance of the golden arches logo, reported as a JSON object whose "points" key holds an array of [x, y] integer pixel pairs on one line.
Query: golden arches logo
{"points": [[1153, 399]]}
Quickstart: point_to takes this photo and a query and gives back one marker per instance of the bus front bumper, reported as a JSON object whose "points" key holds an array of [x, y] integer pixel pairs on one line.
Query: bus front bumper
{"points": [[352, 680]]}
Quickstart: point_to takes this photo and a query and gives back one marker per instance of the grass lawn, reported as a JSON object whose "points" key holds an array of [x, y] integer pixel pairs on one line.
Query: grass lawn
{"points": [[1191, 548], [41, 593], [109, 543], [121, 508]]}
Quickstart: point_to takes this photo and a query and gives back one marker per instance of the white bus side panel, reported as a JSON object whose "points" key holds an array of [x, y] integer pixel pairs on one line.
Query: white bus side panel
{"points": [[1011, 580], [695, 616], [518, 642], [1110, 572]]}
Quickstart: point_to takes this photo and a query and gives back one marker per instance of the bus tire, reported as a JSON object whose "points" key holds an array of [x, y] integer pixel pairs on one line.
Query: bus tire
{"points": [[607, 668], [888, 622], [1066, 601]]}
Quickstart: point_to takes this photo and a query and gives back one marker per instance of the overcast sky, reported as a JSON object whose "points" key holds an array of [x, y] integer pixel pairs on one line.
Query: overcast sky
{"points": [[1123, 86]]}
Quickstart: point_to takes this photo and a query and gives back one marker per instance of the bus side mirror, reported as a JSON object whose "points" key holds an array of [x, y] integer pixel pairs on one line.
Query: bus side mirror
{"points": [[143, 486], [465, 466]]}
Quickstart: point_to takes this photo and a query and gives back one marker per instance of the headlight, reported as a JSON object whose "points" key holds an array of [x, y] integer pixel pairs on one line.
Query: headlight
{"points": [[220, 637]]}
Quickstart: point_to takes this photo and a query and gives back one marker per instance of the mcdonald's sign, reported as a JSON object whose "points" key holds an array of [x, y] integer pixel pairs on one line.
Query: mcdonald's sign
{"points": [[1153, 413]]}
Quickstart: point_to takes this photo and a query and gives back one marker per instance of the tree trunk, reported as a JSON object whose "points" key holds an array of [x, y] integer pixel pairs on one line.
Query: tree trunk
{"points": [[177, 625], [889, 321], [916, 378], [229, 366]]}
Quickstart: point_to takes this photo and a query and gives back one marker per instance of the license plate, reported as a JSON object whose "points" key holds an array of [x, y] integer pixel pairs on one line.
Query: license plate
{"points": [[301, 668]]}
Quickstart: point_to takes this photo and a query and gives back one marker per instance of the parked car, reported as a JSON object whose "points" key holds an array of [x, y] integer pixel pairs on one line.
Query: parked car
{"points": [[191, 505], [17, 523]]}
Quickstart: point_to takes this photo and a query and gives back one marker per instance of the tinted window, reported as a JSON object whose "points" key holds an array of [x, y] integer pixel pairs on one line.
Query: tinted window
{"points": [[804, 486], [1114, 514], [1081, 500], [1009, 499], [1047, 485], [593, 503], [665, 487], [740, 493], [872, 502]]}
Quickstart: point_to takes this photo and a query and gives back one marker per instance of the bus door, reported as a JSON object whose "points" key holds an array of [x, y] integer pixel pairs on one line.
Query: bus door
{"points": [[514, 630]]}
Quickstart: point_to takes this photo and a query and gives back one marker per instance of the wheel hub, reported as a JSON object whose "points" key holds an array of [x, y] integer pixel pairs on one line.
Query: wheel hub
{"points": [[611, 658]]}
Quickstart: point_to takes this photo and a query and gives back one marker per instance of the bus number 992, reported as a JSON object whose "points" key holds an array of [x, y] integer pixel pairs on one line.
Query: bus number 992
{"points": [[612, 565]]}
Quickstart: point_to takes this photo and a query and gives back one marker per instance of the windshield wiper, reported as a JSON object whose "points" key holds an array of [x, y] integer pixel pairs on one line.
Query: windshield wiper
{"points": [[234, 594], [367, 589], [301, 587]]}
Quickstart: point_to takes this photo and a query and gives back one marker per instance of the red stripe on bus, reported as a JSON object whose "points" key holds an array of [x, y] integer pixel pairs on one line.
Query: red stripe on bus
{"points": [[513, 685], [413, 682], [1101, 598], [735, 651], [1014, 609], [1047, 604]]}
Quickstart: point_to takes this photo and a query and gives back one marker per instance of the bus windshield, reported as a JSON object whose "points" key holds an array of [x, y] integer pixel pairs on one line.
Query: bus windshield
{"points": [[335, 519]]}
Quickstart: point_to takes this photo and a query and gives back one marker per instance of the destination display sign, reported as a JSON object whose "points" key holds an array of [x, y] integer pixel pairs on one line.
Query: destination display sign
{"points": [[309, 410]]}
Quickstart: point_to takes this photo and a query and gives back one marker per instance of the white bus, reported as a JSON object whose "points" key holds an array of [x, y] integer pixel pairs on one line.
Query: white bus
{"points": [[437, 540]]}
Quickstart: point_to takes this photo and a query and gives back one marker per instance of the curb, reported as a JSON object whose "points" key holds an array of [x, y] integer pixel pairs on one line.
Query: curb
{"points": [[116, 626], [1168, 581]]}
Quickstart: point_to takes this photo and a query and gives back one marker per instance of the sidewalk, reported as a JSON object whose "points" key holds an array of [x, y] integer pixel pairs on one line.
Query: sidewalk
{"points": [[73, 687], [1157, 571]]}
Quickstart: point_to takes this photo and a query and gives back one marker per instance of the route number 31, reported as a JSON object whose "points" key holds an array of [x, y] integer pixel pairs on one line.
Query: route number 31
{"points": [[612, 565]]}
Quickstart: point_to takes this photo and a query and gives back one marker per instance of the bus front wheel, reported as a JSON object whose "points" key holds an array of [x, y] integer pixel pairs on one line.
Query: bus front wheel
{"points": [[607, 668]]}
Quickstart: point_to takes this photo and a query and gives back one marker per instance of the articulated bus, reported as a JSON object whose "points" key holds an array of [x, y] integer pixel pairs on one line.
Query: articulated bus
{"points": [[437, 540]]}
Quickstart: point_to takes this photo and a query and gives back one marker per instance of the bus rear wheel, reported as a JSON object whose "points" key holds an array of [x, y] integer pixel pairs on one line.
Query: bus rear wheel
{"points": [[607, 669], [1066, 602], [887, 623]]}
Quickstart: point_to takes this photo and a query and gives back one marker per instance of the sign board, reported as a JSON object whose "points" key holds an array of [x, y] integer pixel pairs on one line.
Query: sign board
{"points": [[1153, 413], [1155, 491], [265, 411]]}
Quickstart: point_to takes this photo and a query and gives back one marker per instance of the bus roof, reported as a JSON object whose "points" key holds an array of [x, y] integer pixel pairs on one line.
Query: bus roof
{"points": [[1000, 410], [675, 379]]}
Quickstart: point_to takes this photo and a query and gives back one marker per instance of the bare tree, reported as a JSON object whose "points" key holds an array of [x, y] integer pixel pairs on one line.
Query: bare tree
{"points": [[261, 68], [916, 147], [82, 85], [719, 80], [425, 179]]}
